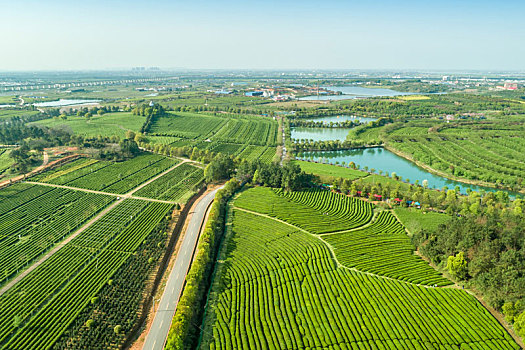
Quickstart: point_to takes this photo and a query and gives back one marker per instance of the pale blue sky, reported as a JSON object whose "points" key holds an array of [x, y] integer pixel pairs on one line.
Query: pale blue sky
{"points": [[328, 34]]}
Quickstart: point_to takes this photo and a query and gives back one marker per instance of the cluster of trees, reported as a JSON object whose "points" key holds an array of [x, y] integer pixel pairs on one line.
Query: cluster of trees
{"points": [[23, 159], [83, 111], [289, 176], [485, 250], [150, 112], [303, 145], [185, 327], [314, 124]]}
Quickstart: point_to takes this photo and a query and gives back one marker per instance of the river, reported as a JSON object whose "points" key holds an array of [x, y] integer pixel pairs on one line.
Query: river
{"points": [[326, 134], [65, 102], [350, 92], [379, 158]]}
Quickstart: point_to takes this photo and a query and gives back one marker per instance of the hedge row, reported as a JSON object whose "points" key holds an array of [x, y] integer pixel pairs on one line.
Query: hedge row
{"points": [[185, 329]]}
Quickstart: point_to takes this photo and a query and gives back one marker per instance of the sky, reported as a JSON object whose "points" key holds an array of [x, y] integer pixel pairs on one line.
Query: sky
{"points": [[271, 34]]}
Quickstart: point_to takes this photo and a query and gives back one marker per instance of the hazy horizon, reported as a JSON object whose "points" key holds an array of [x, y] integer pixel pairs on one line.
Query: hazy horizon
{"points": [[287, 35]]}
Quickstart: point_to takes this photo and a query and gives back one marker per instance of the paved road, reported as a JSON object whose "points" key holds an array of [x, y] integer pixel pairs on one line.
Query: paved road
{"points": [[168, 303]]}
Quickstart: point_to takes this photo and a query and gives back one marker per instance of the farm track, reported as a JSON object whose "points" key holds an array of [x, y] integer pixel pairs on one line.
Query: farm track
{"points": [[100, 192], [34, 171], [333, 252]]}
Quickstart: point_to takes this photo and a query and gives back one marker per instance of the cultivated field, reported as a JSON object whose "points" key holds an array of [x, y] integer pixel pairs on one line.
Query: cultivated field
{"points": [[109, 124], [93, 279], [279, 285]]}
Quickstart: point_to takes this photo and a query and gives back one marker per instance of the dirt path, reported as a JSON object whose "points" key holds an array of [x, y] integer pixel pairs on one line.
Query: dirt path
{"points": [[127, 195], [34, 171], [57, 248]]}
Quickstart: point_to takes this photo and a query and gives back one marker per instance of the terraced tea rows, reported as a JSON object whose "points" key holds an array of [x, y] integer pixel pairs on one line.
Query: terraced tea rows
{"points": [[342, 212], [279, 288], [175, 185], [383, 248]]}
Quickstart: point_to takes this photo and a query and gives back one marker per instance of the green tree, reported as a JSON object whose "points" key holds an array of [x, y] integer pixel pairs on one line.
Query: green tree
{"points": [[457, 266], [130, 135], [519, 325]]}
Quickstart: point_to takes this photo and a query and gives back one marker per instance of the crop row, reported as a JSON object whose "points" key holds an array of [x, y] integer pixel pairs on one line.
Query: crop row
{"points": [[279, 288], [383, 248], [70, 172], [122, 177], [15, 195], [301, 208], [252, 153], [71, 167], [61, 307], [34, 290], [175, 185], [255, 131], [186, 125], [227, 148], [34, 227]]}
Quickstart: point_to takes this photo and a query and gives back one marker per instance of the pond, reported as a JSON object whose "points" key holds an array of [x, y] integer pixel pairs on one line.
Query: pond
{"points": [[350, 92], [379, 158], [319, 134], [64, 102]]}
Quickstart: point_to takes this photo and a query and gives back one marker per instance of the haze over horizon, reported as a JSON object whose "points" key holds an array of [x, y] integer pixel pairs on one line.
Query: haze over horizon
{"points": [[61, 35]]}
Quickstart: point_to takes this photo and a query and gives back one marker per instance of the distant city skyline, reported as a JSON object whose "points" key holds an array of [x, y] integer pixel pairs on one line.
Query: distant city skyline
{"points": [[287, 35]]}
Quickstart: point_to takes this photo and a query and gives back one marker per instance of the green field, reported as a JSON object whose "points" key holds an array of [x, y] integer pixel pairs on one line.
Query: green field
{"points": [[415, 220], [279, 287], [329, 172], [5, 160], [109, 124], [11, 113], [249, 137]]}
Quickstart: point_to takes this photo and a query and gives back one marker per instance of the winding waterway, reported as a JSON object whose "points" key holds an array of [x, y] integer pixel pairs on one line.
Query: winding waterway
{"points": [[379, 158]]}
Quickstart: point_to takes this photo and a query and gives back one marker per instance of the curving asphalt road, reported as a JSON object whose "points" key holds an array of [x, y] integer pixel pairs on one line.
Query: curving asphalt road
{"points": [[158, 333]]}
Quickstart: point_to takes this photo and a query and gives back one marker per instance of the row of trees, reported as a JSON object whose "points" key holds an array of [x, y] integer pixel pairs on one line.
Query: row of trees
{"points": [[150, 112], [185, 327], [315, 124]]}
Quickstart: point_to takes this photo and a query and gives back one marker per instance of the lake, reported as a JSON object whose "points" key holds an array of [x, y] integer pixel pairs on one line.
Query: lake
{"points": [[319, 134], [350, 92], [64, 102], [379, 158], [341, 118]]}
